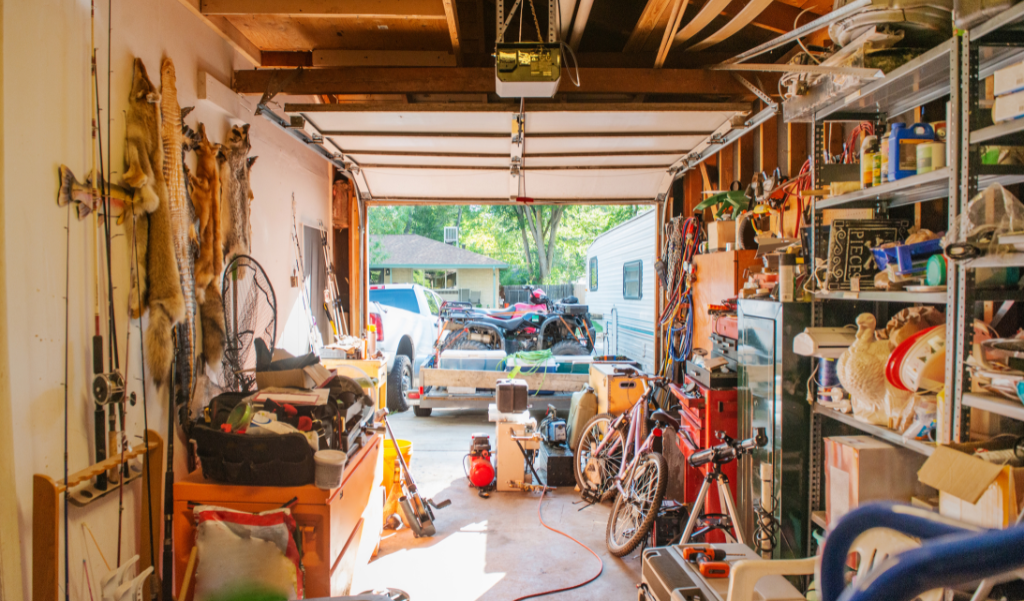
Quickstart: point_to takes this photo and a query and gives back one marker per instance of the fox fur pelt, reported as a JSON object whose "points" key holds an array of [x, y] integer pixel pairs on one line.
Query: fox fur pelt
{"points": [[206, 200], [143, 158], [236, 195]]}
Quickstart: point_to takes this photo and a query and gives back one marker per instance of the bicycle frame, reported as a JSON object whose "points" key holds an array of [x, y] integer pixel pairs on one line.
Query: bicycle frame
{"points": [[637, 416]]}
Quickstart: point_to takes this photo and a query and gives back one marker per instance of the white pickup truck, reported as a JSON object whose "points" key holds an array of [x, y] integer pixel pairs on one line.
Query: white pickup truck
{"points": [[407, 320]]}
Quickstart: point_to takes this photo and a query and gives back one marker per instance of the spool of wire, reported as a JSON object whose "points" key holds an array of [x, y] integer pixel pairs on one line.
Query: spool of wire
{"points": [[827, 378]]}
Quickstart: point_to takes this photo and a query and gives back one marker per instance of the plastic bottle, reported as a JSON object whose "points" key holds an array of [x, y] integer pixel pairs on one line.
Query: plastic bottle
{"points": [[868, 150], [371, 340], [787, 266], [903, 142], [883, 152]]}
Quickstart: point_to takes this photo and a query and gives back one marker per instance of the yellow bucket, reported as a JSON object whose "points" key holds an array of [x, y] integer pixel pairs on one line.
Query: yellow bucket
{"points": [[391, 467]]}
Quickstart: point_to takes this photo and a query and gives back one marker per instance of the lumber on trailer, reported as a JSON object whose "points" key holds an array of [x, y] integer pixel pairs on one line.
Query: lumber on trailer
{"points": [[468, 80], [489, 379]]}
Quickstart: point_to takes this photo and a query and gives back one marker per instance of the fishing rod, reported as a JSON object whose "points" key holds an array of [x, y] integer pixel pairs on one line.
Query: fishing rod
{"points": [[315, 341], [332, 298]]}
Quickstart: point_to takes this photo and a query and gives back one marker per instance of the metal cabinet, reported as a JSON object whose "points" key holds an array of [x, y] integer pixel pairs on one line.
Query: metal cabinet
{"points": [[772, 394]]}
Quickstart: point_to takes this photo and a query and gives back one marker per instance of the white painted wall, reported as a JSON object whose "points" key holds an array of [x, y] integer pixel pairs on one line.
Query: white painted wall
{"points": [[46, 120], [634, 319]]}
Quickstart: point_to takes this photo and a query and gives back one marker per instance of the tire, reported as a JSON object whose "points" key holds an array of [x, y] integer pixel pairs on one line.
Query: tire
{"points": [[422, 411], [470, 345], [633, 513], [593, 432], [399, 384], [569, 347]]}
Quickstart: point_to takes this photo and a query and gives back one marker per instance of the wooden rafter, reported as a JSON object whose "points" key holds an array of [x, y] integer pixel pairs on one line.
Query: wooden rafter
{"points": [[423, 9], [466, 80], [649, 22], [228, 31], [453, 29]]}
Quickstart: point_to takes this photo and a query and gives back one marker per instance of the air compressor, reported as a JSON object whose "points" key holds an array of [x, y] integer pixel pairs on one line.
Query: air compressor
{"points": [[478, 466]]}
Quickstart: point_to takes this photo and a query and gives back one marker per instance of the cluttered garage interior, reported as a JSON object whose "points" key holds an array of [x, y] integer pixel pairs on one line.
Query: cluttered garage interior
{"points": [[496, 300]]}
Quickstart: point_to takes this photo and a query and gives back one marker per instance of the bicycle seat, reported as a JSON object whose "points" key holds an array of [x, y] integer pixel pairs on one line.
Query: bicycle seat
{"points": [[664, 418]]}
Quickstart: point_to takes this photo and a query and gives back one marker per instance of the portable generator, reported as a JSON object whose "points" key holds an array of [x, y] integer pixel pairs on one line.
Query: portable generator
{"points": [[552, 428], [479, 469]]}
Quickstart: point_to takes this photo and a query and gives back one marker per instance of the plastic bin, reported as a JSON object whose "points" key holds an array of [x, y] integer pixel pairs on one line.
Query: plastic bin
{"points": [[476, 360], [391, 467], [909, 258]]}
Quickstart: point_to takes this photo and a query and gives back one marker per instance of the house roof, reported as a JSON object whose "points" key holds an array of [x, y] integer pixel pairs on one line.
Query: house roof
{"points": [[413, 250]]}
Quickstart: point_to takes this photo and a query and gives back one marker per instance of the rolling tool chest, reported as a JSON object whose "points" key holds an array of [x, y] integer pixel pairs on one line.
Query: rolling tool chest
{"points": [[702, 414]]}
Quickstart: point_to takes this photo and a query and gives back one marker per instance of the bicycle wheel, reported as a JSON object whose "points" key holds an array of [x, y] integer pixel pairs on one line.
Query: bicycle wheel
{"points": [[634, 512], [598, 471]]}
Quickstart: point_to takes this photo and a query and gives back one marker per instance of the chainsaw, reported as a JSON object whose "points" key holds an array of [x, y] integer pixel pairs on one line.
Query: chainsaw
{"points": [[415, 508]]}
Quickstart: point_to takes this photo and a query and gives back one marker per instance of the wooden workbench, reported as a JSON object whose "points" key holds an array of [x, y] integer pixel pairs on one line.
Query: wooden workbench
{"points": [[340, 528]]}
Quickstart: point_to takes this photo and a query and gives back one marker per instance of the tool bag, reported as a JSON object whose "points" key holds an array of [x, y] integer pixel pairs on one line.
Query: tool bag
{"points": [[582, 407]]}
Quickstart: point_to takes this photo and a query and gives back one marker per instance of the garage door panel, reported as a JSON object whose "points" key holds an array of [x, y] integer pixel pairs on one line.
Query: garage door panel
{"points": [[704, 121], [594, 184], [438, 145], [446, 183], [436, 160], [601, 161], [462, 122]]}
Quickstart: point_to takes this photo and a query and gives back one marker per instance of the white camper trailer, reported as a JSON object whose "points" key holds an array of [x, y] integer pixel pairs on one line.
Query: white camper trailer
{"points": [[620, 288]]}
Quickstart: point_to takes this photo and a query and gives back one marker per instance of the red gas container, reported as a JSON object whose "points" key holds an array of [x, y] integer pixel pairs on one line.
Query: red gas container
{"points": [[702, 415]]}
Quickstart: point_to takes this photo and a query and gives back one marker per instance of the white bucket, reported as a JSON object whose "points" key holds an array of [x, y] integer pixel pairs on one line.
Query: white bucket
{"points": [[329, 467]]}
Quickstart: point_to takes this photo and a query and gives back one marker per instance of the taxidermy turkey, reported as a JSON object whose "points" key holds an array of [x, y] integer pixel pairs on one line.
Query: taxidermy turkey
{"points": [[861, 371]]}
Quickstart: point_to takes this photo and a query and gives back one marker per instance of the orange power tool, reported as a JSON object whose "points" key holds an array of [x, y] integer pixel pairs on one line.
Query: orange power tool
{"points": [[710, 561]]}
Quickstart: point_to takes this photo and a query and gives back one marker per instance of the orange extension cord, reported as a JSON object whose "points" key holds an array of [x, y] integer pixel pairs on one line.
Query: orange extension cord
{"points": [[591, 551]]}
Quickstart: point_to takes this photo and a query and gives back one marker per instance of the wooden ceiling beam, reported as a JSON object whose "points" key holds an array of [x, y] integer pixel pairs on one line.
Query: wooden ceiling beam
{"points": [[778, 17], [420, 9], [649, 22], [463, 80], [453, 29], [534, 106], [225, 29]]}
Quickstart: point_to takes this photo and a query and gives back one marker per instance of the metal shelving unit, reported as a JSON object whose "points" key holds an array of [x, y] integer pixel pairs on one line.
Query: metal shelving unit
{"points": [[916, 188], [995, 404], [890, 436], [923, 298]]}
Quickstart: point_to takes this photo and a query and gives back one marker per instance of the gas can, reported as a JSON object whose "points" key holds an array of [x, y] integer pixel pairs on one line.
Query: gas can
{"points": [[903, 142]]}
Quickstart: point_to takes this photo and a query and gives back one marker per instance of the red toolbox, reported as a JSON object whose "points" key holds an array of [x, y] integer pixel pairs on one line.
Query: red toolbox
{"points": [[703, 413]]}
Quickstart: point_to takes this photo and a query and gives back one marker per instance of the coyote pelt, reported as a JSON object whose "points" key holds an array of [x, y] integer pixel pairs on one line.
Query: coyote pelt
{"points": [[166, 302], [143, 158], [235, 192], [206, 200]]}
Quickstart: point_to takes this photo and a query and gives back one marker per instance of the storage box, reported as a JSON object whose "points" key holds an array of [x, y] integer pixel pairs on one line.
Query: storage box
{"points": [[971, 489], [721, 233], [1008, 108], [511, 395], [531, 366], [616, 392], [859, 469], [474, 360], [1008, 80], [311, 376]]}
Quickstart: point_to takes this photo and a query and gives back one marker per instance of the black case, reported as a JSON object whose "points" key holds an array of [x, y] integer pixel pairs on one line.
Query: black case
{"points": [[284, 460], [556, 461]]}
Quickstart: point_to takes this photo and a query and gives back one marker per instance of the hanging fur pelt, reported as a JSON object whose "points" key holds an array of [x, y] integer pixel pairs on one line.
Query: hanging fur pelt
{"points": [[209, 265], [143, 159], [179, 220], [236, 195]]}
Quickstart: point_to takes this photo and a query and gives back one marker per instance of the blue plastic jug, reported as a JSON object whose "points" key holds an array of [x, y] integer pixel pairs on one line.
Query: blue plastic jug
{"points": [[903, 142]]}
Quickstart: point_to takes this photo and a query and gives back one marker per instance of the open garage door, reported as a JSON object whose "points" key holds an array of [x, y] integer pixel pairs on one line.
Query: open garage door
{"points": [[495, 153]]}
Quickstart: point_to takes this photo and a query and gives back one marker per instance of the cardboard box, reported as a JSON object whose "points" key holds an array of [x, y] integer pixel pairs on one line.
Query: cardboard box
{"points": [[1008, 80], [1008, 108], [721, 233], [859, 469], [973, 490]]}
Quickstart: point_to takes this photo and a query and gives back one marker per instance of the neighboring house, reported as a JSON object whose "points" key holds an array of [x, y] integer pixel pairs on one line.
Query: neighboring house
{"points": [[453, 273], [620, 288]]}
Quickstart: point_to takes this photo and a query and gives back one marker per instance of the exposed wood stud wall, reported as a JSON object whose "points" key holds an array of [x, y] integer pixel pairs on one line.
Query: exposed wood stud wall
{"points": [[796, 147]]}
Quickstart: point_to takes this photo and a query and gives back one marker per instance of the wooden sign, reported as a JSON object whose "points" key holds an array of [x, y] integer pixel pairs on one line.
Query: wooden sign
{"points": [[849, 248]]}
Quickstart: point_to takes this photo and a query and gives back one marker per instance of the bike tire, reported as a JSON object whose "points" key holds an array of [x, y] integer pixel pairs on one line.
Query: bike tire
{"points": [[654, 465], [582, 456]]}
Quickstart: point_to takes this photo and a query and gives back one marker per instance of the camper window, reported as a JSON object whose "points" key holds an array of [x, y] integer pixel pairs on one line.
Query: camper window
{"points": [[593, 274], [632, 280]]}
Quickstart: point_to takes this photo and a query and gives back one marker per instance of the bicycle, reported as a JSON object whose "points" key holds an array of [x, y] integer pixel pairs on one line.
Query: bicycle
{"points": [[615, 459]]}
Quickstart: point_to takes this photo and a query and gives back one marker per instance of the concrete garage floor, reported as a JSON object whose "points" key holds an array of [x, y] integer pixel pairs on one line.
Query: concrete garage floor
{"points": [[490, 549]]}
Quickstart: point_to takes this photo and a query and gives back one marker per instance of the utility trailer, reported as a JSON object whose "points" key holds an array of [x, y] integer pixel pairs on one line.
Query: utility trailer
{"points": [[556, 388]]}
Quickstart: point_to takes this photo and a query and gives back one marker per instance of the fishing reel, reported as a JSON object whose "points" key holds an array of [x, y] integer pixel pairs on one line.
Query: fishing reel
{"points": [[108, 388]]}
